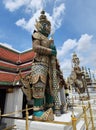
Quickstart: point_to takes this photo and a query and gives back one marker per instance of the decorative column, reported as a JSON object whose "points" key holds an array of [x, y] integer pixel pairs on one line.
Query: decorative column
{"points": [[13, 103]]}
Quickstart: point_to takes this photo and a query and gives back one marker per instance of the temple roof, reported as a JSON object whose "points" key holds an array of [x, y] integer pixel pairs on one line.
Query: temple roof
{"points": [[13, 61], [13, 56]]}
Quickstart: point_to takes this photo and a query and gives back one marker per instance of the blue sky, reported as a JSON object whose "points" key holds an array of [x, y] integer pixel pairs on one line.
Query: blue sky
{"points": [[73, 23]]}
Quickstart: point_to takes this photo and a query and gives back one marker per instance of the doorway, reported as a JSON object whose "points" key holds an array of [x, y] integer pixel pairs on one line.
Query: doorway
{"points": [[2, 100]]}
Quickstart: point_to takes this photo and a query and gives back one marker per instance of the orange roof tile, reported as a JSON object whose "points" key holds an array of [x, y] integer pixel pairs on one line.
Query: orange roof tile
{"points": [[13, 56], [27, 56], [8, 77], [8, 55], [8, 65]]}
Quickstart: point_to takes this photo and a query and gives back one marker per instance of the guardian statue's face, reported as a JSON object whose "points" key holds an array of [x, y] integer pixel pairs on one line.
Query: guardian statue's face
{"points": [[43, 25], [46, 28]]}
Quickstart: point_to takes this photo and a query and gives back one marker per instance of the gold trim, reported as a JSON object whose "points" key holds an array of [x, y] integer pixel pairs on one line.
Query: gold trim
{"points": [[38, 108], [10, 90]]}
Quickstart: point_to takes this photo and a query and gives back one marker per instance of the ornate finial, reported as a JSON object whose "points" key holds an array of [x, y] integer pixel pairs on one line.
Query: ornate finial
{"points": [[74, 55], [89, 72], [42, 12], [43, 18], [93, 77], [85, 69]]}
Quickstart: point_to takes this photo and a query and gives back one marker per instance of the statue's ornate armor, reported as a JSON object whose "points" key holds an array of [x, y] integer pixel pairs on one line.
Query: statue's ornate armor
{"points": [[41, 45], [40, 66]]}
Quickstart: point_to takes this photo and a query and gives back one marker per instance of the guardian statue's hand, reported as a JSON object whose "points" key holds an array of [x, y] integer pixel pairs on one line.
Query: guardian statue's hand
{"points": [[52, 46], [53, 52]]}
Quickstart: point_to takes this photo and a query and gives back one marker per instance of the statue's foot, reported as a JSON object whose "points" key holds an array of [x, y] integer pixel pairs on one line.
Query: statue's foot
{"points": [[37, 115], [45, 116]]}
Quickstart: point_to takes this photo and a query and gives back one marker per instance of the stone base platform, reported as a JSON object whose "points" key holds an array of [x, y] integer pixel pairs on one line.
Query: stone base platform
{"points": [[57, 124]]}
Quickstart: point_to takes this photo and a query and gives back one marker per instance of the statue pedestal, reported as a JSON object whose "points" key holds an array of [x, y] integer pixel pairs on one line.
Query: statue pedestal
{"points": [[36, 125]]}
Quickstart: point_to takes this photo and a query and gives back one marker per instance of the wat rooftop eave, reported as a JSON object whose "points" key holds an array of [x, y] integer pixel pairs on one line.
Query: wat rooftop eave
{"points": [[11, 79], [15, 57], [4, 66], [10, 64]]}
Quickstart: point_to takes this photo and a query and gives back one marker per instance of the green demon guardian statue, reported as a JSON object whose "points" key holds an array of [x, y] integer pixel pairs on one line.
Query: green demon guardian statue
{"points": [[42, 85]]}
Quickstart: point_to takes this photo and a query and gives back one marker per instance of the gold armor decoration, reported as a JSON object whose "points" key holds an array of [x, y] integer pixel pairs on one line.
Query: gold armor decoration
{"points": [[35, 78], [38, 89], [41, 46], [26, 88], [39, 72]]}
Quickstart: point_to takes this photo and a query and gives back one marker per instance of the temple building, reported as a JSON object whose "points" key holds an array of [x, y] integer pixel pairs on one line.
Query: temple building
{"points": [[11, 62]]}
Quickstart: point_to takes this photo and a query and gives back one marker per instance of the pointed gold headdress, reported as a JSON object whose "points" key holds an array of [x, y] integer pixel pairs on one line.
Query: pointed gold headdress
{"points": [[42, 20]]}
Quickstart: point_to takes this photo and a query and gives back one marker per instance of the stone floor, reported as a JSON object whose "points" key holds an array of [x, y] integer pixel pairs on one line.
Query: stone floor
{"points": [[35, 125]]}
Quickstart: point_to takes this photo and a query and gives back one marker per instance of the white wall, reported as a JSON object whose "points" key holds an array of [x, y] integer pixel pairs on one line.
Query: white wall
{"points": [[13, 103]]}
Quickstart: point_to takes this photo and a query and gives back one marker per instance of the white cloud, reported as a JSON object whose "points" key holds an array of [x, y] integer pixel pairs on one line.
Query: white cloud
{"points": [[84, 42], [85, 49], [65, 66], [21, 22], [33, 7], [13, 5], [30, 5], [58, 15], [55, 19], [66, 47], [30, 24]]}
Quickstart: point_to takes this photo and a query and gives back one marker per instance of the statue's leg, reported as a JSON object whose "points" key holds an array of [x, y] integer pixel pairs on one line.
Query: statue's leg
{"points": [[38, 98], [38, 107], [49, 99], [39, 80]]}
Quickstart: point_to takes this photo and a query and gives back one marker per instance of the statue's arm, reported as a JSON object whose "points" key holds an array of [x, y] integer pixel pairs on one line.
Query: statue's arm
{"points": [[80, 72], [41, 49]]}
